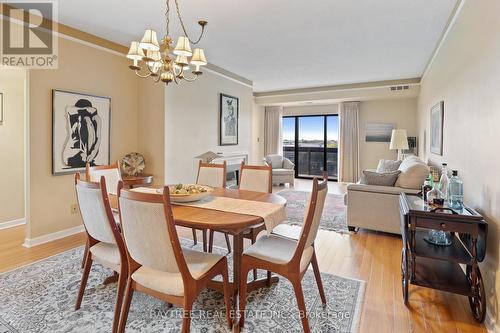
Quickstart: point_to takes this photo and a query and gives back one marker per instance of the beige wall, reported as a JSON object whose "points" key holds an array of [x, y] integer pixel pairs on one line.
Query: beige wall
{"points": [[81, 69], [401, 112], [466, 76], [310, 110], [12, 85], [151, 122], [191, 123]]}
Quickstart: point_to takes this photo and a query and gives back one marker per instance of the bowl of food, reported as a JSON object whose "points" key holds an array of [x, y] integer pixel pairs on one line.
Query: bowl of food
{"points": [[188, 192]]}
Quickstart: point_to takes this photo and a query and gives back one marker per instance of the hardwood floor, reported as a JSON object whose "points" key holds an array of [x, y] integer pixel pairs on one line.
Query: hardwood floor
{"points": [[369, 256]]}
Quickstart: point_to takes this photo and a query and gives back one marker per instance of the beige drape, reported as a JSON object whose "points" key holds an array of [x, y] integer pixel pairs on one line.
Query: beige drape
{"points": [[273, 130], [349, 142]]}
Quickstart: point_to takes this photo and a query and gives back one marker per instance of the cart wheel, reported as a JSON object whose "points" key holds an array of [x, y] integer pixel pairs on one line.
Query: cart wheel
{"points": [[477, 303], [404, 275]]}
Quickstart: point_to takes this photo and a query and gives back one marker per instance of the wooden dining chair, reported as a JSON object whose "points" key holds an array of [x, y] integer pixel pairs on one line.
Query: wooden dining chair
{"points": [[288, 257], [103, 238], [213, 175], [112, 174], [158, 266], [255, 178]]}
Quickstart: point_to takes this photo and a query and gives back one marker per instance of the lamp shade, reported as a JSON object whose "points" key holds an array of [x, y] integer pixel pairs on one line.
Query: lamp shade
{"points": [[152, 56], [149, 41], [399, 139], [183, 48], [135, 52], [199, 57]]}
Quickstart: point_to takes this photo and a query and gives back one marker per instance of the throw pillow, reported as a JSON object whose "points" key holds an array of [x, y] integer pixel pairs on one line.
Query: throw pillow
{"points": [[388, 166], [380, 179]]}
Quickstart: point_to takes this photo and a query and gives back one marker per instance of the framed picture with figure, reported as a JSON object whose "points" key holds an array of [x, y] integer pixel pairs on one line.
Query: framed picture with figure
{"points": [[228, 121], [81, 128], [437, 124]]}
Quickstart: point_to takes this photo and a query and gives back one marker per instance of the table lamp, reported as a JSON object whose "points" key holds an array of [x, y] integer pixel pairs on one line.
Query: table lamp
{"points": [[399, 141]]}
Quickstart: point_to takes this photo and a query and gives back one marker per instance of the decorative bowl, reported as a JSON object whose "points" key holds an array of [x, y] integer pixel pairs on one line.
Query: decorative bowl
{"points": [[190, 197], [133, 164]]}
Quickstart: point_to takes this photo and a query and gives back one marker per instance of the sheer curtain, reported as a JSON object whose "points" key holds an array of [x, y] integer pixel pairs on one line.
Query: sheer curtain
{"points": [[273, 130], [349, 142]]}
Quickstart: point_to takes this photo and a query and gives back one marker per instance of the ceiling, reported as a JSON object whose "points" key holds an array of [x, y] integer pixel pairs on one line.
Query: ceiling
{"points": [[286, 44]]}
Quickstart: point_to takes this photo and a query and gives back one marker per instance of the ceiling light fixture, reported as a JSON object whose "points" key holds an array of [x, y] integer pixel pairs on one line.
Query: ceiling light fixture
{"points": [[159, 61]]}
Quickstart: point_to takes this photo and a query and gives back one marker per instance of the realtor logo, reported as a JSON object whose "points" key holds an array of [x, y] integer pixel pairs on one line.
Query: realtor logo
{"points": [[28, 38]]}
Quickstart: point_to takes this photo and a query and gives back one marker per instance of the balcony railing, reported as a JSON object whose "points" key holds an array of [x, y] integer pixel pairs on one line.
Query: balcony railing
{"points": [[311, 161]]}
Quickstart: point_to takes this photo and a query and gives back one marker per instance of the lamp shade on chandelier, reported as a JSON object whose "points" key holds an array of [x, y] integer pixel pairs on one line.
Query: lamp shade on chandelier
{"points": [[160, 61]]}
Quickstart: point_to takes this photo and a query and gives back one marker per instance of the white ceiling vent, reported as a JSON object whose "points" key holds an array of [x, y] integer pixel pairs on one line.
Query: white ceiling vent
{"points": [[396, 88]]}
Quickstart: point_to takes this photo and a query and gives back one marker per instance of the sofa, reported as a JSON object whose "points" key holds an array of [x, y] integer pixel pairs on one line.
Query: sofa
{"points": [[376, 207], [283, 169]]}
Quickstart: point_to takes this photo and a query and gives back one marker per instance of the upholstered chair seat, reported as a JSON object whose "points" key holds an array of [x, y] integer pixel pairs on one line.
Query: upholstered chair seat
{"points": [[106, 254], [197, 262], [278, 250]]}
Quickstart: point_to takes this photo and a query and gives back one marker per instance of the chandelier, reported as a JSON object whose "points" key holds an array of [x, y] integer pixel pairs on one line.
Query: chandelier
{"points": [[160, 61]]}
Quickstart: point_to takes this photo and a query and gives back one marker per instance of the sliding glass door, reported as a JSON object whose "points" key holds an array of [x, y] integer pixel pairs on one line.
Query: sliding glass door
{"points": [[311, 143]]}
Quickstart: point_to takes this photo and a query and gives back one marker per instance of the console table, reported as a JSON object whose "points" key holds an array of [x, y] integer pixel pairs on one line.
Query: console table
{"points": [[438, 267]]}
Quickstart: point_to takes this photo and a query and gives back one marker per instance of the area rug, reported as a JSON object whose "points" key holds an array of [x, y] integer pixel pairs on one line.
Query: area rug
{"points": [[40, 298], [334, 211]]}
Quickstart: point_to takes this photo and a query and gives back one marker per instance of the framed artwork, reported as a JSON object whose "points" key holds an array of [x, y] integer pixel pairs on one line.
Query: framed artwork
{"points": [[412, 146], [228, 122], [81, 126], [1, 108], [378, 132], [437, 123]]}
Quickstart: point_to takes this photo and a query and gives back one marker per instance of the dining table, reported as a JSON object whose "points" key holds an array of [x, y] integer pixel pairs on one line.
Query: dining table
{"points": [[235, 224]]}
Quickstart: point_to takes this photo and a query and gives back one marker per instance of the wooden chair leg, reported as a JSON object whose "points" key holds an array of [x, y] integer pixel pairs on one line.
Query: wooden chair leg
{"points": [[204, 233], [85, 253], [122, 283], [210, 241], [227, 296], [254, 238], [129, 292], [83, 283], [268, 280], [195, 240], [243, 292], [186, 318], [228, 243], [299, 294], [317, 276]]}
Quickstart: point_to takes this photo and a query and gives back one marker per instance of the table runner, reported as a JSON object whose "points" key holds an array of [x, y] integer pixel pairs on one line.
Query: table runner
{"points": [[272, 213]]}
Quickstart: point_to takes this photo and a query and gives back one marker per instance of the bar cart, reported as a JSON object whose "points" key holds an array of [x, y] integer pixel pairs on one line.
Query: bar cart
{"points": [[438, 267]]}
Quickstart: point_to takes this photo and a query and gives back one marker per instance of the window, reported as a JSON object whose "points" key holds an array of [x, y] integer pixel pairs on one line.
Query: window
{"points": [[311, 142]]}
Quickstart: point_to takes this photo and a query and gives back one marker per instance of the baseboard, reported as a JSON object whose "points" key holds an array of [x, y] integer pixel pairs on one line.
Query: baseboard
{"points": [[30, 242], [13, 223], [490, 323]]}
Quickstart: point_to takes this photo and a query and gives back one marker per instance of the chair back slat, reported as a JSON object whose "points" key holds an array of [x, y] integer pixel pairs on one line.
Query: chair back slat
{"points": [[312, 218], [110, 172], [93, 211], [213, 175], [256, 178], [150, 235]]}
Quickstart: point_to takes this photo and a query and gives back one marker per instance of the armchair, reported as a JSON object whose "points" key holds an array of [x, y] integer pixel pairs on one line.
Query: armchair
{"points": [[283, 169]]}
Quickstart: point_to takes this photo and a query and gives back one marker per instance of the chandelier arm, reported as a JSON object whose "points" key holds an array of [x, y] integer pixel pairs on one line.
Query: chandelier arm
{"points": [[190, 79], [184, 28], [143, 76]]}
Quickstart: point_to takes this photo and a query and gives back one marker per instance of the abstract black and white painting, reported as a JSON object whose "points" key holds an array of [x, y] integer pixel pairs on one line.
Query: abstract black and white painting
{"points": [[228, 127], [80, 131]]}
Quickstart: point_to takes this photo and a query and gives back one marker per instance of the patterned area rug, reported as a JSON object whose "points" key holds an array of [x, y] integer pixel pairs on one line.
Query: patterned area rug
{"points": [[40, 298], [334, 211]]}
